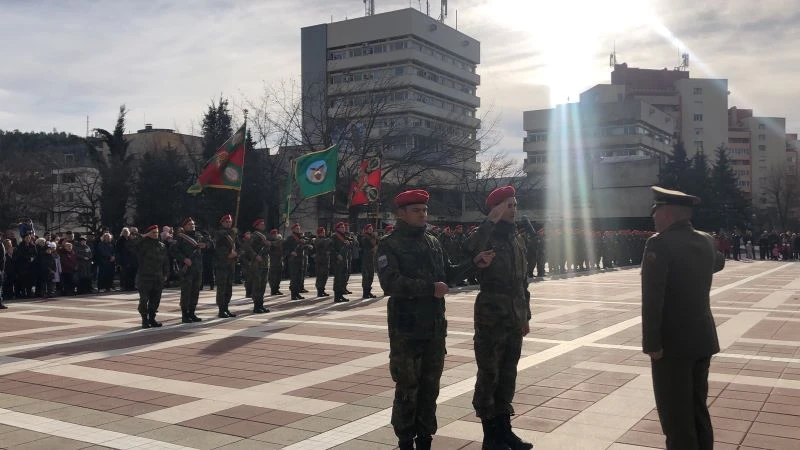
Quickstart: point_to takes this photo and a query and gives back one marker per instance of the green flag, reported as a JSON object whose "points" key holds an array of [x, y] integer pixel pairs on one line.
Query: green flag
{"points": [[316, 172]]}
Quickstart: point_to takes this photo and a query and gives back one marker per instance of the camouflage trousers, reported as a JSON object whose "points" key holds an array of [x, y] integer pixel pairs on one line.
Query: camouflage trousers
{"points": [[497, 352], [275, 273], [295, 274], [258, 284], [224, 277], [341, 272], [322, 276], [149, 296], [367, 275], [416, 366], [191, 282]]}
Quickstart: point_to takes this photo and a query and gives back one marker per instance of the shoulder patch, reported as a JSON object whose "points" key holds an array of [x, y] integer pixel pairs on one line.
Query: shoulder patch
{"points": [[383, 261]]}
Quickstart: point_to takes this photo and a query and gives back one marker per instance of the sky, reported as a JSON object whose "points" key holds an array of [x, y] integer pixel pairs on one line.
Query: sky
{"points": [[166, 60]]}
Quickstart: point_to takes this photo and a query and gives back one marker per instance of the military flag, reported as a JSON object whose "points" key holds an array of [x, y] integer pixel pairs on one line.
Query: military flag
{"points": [[224, 170], [367, 183], [315, 173]]}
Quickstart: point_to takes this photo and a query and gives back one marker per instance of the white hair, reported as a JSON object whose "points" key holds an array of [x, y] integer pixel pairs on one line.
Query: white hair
{"points": [[125, 232]]}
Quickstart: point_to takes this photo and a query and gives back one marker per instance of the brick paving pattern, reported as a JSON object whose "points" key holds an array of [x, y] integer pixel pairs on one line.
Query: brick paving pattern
{"points": [[79, 373]]}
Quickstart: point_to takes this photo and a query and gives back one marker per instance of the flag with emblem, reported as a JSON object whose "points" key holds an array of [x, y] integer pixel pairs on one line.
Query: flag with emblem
{"points": [[367, 183], [224, 170], [315, 173]]}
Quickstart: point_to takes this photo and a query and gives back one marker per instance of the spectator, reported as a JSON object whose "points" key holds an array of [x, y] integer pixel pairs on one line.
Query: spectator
{"points": [[69, 268], [45, 266], [84, 257], [106, 259], [24, 257]]}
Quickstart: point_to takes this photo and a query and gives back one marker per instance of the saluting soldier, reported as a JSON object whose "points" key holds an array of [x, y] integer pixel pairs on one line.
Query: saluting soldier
{"points": [[226, 255], [257, 275], [502, 312], [322, 261], [187, 250], [295, 247], [153, 272], [369, 245], [413, 271], [275, 262], [678, 329], [340, 252]]}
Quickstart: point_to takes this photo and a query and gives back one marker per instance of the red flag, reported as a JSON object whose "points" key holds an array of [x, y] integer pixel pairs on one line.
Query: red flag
{"points": [[367, 184], [224, 169]]}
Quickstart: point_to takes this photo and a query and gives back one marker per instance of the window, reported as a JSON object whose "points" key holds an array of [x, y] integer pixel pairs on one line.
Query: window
{"points": [[762, 137], [698, 117], [69, 159], [398, 70], [69, 178], [698, 146], [763, 148], [698, 91], [761, 126], [698, 131]]}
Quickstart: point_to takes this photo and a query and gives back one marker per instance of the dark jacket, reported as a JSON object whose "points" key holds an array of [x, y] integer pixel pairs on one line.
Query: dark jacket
{"points": [[152, 254], [409, 262], [677, 269], [69, 261]]}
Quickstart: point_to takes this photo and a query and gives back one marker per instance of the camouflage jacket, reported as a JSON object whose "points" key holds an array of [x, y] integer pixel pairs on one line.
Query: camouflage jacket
{"points": [[341, 247], [410, 261], [153, 261], [504, 297], [224, 243], [187, 245], [276, 251], [259, 246], [322, 251]]}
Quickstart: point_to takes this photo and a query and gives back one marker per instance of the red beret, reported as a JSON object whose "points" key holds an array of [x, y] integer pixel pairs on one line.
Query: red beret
{"points": [[435, 228], [152, 228], [459, 228], [187, 220], [226, 218], [498, 195], [447, 228], [273, 231], [368, 227], [321, 230], [258, 222], [296, 225], [389, 228], [340, 225], [412, 197]]}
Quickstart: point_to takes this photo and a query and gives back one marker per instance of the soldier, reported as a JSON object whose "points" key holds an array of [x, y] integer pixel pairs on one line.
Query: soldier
{"points": [[259, 265], [188, 252], [245, 261], [369, 244], [322, 261], [340, 251], [678, 329], [275, 262], [413, 271], [153, 271], [502, 312], [225, 262], [295, 246]]}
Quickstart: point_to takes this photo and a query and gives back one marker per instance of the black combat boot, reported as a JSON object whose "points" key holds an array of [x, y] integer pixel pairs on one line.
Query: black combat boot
{"points": [[321, 293], [153, 322], [185, 317], [340, 299], [511, 439], [492, 439], [222, 313], [406, 445], [346, 291], [145, 322], [303, 291], [228, 312], [194, 317], [423, 442]]}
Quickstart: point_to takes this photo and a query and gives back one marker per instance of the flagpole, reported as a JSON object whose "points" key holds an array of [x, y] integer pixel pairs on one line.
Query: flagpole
{"points": [[378, 201], [289, 193], [241, 186]]}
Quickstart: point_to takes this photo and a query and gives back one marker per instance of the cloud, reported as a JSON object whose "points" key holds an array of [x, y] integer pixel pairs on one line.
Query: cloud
{"points": [[167, 59]]}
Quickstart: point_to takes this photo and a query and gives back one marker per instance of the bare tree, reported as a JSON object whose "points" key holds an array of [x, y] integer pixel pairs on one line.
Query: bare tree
{"points": [[84, 200], [782, 195]]}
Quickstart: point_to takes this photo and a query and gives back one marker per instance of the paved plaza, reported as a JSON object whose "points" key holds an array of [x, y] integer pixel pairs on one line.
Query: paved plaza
{"points": [[80, 373]]}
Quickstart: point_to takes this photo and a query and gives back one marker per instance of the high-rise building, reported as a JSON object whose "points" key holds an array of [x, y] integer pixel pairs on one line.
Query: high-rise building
{"points": [[400, 77]]}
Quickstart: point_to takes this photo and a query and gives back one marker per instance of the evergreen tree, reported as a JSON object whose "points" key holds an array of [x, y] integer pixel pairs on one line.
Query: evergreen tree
{"points": [[732, 207], [254, 184], [162, 176], [110, 153], [699, 183], [675, 174]]}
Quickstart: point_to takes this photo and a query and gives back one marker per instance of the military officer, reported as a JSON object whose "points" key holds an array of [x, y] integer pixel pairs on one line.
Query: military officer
{"points": [[226, 255], [153, 272], [413, 271], [322, 260], [257, 275], [295, 246], [340, 252], [188, 252], [275, 262], [368, 245], [678, 329], [502, 312]]}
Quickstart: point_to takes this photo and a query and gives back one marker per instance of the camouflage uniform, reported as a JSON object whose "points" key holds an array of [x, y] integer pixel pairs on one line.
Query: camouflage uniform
{"points": [[502, 309], [225, 243], [409, 262], [297, 245], [322, 262], [153, 268], [187, 246], [341, 264], [275, 264], [369, 244], [246, 258], [257, 275]]}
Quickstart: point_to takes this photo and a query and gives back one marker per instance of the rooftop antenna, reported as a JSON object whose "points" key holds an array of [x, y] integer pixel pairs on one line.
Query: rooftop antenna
{"points": [[612, 59], [369, 7], [443, 14], [428, 7], [684, 62], [87, 126]]}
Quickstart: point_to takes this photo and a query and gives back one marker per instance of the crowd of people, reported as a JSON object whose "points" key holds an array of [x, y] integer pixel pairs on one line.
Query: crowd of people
{"points": [[769, 245]]}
